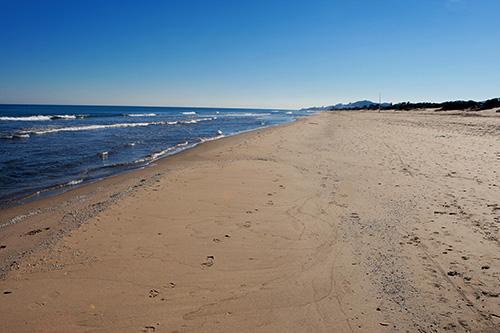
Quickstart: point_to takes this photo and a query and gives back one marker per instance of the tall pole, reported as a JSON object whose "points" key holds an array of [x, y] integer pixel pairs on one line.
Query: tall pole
{"points": [[379, 101]]}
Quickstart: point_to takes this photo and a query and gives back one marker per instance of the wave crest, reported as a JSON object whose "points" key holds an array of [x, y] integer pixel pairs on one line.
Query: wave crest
{"points": [[26, 134], [140, 114], [42, 118]]}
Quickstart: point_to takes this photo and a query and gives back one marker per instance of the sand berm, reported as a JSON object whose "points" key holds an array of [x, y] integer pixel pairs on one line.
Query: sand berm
{"points": [[339, 222]]}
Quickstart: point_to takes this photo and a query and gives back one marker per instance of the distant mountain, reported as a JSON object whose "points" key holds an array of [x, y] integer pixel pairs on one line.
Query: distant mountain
{"points": [[444, 106], [354, 105]]}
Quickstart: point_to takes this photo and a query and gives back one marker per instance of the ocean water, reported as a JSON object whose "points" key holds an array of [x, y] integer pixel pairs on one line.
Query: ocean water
{"points": [[46, 149]]}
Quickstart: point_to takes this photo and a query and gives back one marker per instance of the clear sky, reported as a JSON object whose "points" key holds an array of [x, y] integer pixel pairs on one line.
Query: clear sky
{"points": [[255, 53]]}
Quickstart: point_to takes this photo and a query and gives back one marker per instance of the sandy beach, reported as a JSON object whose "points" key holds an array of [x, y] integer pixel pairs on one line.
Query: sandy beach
{"points": [[339, 222]]}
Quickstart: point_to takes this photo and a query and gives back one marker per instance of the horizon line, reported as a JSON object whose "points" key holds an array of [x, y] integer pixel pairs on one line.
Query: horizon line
{"points": [[149, 106]]}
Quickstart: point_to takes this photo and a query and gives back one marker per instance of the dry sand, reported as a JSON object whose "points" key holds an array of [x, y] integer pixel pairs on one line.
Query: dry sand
{"points": [[345, 221]]}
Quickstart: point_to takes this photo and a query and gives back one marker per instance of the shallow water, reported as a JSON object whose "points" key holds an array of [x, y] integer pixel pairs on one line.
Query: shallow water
{"points": [[52, 147]]}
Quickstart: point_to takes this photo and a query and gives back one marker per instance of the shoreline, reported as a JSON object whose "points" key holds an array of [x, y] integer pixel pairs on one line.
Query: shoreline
{"points": [[339, 221], [110, 188], [147, 162]]}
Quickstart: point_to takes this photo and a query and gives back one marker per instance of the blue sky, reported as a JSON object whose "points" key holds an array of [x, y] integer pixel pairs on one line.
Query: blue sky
{"points": [[258, 53]]}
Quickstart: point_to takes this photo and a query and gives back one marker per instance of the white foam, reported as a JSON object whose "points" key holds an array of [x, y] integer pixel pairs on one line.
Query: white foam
{"points": [[246, 114], [164, 152], [188, 113], [141, 115], [212, 138], [30, 118], [194, 121], [39, 117], [74, 182], [94, 127], [64, 116], [16, 136], [26, 134]]}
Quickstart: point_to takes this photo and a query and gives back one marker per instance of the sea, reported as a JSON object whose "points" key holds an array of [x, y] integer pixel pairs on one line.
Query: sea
{"points": [[48, 149]]}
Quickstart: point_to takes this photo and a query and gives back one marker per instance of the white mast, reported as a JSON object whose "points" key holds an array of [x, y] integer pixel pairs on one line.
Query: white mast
{"points": [[379, 101]]}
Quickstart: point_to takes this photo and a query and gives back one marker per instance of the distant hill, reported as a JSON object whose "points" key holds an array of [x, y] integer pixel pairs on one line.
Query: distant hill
{"points": [[354, 105], [451, 105]]}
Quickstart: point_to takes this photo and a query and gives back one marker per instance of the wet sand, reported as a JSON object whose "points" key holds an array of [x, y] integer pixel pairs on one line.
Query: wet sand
{"points": [[344, 221]]}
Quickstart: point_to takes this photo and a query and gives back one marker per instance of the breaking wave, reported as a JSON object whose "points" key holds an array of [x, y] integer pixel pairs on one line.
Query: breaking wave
{"points": [[43, 118], [140, 114], [99, 127]]}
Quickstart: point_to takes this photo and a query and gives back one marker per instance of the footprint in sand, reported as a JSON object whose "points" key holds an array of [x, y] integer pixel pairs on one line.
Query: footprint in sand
{"points": [[346, 287], [219, 240], [36, 231], [35, 305], [209, 262], [33, 232]]}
